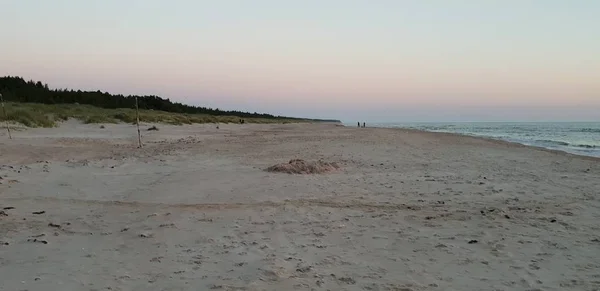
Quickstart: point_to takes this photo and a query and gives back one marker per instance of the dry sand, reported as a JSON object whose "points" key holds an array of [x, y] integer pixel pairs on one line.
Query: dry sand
{"points": [[195, 210]]}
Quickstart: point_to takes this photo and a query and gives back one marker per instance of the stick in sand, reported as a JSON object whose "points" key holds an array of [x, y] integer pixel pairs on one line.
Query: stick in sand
{"points": [[137, 122], [5, 116]]}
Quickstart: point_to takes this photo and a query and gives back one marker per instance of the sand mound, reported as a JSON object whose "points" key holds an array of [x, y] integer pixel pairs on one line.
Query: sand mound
{"points": [[303, 167]]}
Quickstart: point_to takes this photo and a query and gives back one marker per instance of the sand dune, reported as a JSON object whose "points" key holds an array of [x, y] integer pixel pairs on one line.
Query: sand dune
{"points": [[83, 209]]}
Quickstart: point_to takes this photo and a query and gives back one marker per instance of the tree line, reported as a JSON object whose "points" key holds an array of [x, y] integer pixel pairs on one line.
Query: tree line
{"points": [[16, 89]]}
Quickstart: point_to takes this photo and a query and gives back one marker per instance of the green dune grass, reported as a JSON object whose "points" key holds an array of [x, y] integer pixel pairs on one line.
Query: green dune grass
{"points": [[49, 115]]}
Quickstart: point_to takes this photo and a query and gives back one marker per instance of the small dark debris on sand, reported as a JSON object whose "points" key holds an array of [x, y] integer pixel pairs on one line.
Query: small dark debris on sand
{"points": [[38, 212], [305, 269], [299, 166], [152, 128], [35, 240], [8, 208], [347, 280], [156, 259], [54, 225], [2, 213], [473, 241], [102, 126]]}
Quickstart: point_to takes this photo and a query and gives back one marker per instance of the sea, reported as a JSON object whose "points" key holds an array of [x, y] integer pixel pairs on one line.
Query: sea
{"points": [[581, 138]]}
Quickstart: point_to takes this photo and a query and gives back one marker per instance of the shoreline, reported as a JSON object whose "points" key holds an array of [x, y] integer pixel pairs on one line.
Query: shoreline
{"points": [[495, 140]]}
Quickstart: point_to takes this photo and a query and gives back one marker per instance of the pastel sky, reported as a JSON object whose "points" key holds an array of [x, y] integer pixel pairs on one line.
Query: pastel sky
{"points": [[373, 60]]}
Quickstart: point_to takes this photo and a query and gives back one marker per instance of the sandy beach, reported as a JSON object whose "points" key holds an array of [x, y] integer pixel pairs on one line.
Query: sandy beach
{"points": [[82, 208]]}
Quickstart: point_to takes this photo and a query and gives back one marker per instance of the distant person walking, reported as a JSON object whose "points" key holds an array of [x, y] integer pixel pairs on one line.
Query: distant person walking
{"points": [[359, 124], [364, 125]]}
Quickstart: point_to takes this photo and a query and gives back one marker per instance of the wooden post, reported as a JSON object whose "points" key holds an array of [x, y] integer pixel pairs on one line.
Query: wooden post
{"points": [[137, 122], [5, 116]]}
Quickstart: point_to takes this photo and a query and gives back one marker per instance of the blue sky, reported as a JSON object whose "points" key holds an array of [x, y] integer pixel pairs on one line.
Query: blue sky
{"points": [[352, 60]]}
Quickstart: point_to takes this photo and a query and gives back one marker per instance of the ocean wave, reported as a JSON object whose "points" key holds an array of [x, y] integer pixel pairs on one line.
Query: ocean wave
{"points": [[553, 142], [442, 127], [567, 144], [589, 130]]}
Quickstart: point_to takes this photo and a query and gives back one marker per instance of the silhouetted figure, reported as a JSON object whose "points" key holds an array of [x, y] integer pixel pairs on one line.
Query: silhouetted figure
{"points": [[364, 125], [359, 124]]}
